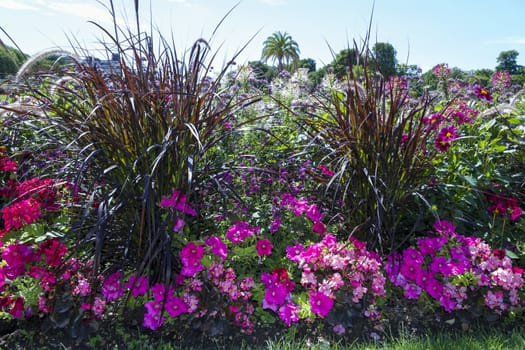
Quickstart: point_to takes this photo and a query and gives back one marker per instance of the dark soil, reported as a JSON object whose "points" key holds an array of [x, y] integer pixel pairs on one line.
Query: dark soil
{"points": [[127, 333]]}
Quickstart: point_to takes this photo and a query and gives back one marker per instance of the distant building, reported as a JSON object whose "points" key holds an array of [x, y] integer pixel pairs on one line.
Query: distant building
{"points": [[112, 65]]}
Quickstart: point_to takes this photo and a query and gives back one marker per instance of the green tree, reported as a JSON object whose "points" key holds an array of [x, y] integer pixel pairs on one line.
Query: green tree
{"points": [[10, 60], [507, 62], [482, 76], [308, 63], [345, 59], [385, 57], [282, 48]]}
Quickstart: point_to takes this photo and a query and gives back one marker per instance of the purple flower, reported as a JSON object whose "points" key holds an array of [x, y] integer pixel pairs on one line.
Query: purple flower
{"points": [[412, 291], [482, 93], [275, 225]]}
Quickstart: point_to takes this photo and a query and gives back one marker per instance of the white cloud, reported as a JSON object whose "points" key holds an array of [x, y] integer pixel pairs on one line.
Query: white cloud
{"points": [[274, 2], [17, 5], [509, 40]]}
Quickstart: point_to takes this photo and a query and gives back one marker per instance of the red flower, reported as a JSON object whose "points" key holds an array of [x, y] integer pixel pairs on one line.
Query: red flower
{"points": [[499, 253], [54, 251], [21, 213]]}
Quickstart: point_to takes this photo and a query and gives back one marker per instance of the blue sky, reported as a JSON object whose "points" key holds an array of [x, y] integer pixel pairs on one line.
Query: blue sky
{"points": [[467, 34]]}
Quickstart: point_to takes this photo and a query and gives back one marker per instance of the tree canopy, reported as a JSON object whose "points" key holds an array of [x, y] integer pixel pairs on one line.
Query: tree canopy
{"points": [[385, 58], [507, 62], [10, 60], [282, 48]]}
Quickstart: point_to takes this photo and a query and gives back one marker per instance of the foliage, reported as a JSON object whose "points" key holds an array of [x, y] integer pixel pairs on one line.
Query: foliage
{"points": [[247, 198], [374, 138], [144, 128]]}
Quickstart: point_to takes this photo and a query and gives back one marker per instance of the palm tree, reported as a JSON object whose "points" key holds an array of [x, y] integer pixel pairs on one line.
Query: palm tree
{"points": [[282, 48]]}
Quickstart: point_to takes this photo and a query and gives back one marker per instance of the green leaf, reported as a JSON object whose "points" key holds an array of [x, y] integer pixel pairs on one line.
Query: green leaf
{"points": [[472, 181], [511, 254]]}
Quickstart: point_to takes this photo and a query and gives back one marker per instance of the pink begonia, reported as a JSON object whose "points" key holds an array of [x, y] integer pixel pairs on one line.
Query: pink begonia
{"points": [[217, 247], [98, 307], [320, 303], [264, 247], [494, 301], [21, 213], [82, 287]]}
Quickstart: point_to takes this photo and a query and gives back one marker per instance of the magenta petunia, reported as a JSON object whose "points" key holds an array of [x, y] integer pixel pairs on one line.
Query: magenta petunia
{"points": [[191, 252], [320, 303], [111, 288], [138, 286], [264, 247], [175, 306], [177, 201], [274, 297], [217, 247], [289, 313]]}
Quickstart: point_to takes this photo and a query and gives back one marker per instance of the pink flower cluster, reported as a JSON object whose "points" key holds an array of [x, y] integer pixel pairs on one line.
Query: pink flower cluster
{"points": [[501, 80], [441, 71], [231, 295], [435, 267], [300, 206], [346, 268], [27, 260]]}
